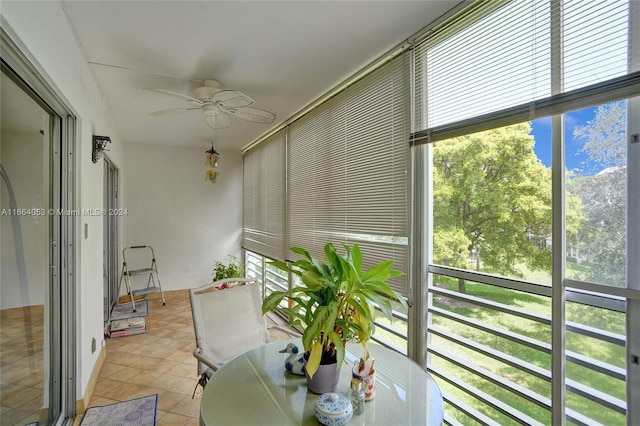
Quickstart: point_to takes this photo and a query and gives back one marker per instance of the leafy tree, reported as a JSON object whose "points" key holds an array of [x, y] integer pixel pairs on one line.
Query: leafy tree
{"points": [[493, 196], [605, 137], [602, 238]]}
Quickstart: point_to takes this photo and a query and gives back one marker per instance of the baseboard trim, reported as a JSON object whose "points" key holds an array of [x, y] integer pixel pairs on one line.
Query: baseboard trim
{"points": [[82, 404]]}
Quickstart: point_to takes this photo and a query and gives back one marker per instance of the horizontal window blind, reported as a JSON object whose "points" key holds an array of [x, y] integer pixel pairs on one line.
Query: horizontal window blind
{"points": [[348, 170], [595, 36], [264, 198], [495, 61]]}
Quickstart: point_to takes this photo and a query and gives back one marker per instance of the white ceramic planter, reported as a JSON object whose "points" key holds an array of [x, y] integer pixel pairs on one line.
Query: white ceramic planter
{"points": [[324, 380]]}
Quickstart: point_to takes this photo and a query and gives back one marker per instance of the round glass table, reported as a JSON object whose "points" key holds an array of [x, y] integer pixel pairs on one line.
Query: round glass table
{"points": [[254, 389]]}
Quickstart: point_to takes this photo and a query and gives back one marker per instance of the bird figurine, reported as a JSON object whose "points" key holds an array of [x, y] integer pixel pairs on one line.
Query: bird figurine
{"points": [[295, 362]]}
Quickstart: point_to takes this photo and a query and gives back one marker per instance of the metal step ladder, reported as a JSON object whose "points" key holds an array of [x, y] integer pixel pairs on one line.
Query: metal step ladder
{"points": [[153, 280]]}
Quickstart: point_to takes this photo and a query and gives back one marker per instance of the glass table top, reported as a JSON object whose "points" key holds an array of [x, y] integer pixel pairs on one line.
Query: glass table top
{"points": [[254, 389]]}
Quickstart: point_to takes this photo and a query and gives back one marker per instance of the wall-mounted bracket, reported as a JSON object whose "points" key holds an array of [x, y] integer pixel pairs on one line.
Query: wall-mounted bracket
{"points": [[99, 144]]}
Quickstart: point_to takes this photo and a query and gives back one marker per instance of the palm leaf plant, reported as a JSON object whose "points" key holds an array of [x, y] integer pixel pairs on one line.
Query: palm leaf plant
{"points": [[334, 301]]}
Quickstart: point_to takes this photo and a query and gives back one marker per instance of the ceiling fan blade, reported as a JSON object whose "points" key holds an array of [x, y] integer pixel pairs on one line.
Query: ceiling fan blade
{"points": [[218, 121], [231, 99], [171, 111], [176, 95], [253, 114]]}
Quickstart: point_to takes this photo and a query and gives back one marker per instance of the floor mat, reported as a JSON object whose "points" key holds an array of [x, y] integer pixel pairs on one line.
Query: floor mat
{"points": [[135, 412]]}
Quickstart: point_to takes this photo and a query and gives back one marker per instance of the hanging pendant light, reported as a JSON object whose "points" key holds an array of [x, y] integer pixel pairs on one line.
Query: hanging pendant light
{"points": [[212, 158], [212, 163]]}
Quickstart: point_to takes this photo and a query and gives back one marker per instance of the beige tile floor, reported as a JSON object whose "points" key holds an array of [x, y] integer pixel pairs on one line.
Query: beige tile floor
{"points": [[21, 365], [159, 361]]}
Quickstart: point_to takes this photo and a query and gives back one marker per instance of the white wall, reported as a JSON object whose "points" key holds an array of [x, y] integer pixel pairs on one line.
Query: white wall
{"points": [[42, 30], [190, 223]]}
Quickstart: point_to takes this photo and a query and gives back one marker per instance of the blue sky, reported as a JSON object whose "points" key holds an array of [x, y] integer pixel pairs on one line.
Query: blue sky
{"points": [[575, 159]]}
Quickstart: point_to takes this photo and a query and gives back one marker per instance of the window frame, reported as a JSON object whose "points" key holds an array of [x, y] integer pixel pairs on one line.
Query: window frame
{"points": [[624, 87]]}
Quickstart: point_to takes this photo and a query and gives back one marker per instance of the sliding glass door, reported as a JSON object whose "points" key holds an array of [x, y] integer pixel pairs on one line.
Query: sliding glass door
{"points": [[37, 246], [30, 345], [110, 239]]}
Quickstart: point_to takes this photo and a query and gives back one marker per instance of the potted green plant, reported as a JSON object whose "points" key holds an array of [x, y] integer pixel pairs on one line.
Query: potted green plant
{"points": [[231, 269], [334, 302]]}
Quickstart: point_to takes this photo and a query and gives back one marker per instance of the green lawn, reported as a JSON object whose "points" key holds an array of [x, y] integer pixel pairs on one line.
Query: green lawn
{"points": [[600, 318], [528, 303]]}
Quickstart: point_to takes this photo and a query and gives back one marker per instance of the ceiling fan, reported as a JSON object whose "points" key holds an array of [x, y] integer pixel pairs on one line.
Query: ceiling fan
{"points": [[218, 105]]}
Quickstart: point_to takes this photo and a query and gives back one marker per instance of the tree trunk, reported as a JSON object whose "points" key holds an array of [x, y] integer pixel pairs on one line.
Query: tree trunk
{"points": [[461, 286]]}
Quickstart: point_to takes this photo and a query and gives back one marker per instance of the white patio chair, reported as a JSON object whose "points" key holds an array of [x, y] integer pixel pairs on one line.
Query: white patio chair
{"points": [[227, 323]]}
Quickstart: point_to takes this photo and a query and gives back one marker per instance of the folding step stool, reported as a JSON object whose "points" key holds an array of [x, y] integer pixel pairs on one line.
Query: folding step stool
{"points": [[153, 282]]}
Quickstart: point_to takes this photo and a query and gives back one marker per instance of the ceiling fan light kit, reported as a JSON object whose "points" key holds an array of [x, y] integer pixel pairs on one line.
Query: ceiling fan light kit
{"points": [[218, 105]]}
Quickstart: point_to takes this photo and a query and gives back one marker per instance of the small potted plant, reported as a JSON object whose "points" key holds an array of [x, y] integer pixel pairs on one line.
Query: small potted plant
{"points": [[334, 303], [231, 269]]}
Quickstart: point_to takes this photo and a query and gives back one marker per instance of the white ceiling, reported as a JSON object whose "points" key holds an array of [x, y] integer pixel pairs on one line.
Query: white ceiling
{"points": [[283, 54]]}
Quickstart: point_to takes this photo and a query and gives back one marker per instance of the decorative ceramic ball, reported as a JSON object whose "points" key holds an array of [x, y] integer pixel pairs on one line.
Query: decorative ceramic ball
{"points": [[333, 409]]}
